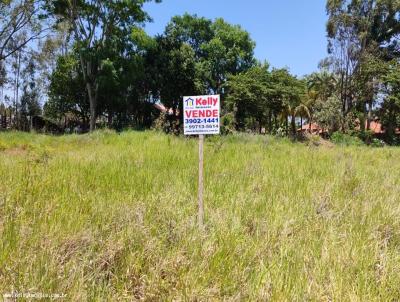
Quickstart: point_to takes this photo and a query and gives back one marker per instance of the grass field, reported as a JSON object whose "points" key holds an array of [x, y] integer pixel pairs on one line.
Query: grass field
{"points": [[108, 217]]}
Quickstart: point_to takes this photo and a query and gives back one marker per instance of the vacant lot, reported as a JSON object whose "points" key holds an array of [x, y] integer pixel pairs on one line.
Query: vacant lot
{"points": [[113, 217]]}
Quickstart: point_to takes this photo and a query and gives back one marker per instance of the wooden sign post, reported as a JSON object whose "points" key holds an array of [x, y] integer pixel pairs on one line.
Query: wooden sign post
{"points": [[201, 117], [201, 184]]}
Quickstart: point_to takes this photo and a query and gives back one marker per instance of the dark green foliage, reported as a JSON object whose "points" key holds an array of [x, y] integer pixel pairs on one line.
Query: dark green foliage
{"points": [[261, 98], [67, 93], [390, 109], [340, 138], [249, 96], [104, 32]]}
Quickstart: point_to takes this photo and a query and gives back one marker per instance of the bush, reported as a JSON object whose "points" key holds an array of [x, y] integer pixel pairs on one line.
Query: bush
{"points": [[367, 136], [168, 124], [227, 124], [340, 138], [377, 143]]}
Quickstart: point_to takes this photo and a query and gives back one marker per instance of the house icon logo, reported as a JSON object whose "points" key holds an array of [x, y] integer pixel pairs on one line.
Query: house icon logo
{"points": [[189, 102]]}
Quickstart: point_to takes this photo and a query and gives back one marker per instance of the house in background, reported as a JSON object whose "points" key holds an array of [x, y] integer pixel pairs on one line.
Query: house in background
{"points": [[312, 128], [375, 126], [169, 111]]}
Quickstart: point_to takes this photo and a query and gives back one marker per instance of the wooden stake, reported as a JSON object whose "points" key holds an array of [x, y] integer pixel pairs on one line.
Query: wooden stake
{"points": [[201, 184]]}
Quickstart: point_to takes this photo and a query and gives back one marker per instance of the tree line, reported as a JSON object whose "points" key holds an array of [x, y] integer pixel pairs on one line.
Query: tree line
{"points": [[87, 64]]}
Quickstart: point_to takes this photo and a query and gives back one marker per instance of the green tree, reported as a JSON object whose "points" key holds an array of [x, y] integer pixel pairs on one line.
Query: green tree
{"points": [[220, 49], [262, 95], [320, 86], [390, 109], [323, 84], [249, 95], [98, 27], [288, 92], [361, 32], [67, 93], [30, 106], [328, 114], [199, 55], [229, 52]]}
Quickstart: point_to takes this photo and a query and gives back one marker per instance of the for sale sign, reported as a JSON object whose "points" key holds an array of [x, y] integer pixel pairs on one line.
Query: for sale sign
{"points": [[201, 114]]}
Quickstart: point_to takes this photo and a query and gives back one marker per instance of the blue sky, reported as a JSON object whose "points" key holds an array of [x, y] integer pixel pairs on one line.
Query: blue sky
{"points": [[288, 33]]}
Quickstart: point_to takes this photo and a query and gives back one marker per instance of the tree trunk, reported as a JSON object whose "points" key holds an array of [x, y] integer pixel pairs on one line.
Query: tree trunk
{"points": [[269, 121], [110, 119], [362, 119], [287, 124], [369, 117], [92, 101], [91, 88], [391, 129], [16, 89], [301, 123], [293, 124]]}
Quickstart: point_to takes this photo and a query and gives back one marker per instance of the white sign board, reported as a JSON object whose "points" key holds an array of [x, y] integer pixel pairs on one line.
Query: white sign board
{"points": [[201, 114]]}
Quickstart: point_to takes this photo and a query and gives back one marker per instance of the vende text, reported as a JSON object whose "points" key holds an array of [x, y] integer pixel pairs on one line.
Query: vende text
{"points": [[201, 113]]}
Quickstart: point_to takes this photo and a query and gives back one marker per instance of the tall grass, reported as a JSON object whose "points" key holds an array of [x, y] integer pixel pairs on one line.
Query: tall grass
{"points": [[113, 217]]}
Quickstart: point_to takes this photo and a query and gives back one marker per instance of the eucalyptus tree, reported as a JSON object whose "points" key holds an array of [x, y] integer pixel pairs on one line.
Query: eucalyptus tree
{"points": [[67, 94], [23, 19], [22, 22], [30, 106], [100, 28], [358, 30]]}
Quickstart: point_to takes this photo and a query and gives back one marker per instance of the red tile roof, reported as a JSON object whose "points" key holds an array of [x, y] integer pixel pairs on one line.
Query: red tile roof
{"points": [[375, 126], [313, 128]]}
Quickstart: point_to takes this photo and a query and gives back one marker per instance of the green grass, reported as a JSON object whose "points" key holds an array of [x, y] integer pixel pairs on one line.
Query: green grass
{"points": [[113, 217]]}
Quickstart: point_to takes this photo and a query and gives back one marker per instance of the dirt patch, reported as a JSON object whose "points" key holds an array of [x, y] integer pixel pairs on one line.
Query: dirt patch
{"points": [[16, 151], [72, 247], [317, 141]]}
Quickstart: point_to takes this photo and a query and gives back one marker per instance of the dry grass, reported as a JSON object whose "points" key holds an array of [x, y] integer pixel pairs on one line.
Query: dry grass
{"points": [[113, 217]]}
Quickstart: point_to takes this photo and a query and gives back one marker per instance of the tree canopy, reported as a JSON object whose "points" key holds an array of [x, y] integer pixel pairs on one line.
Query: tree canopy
{"points": [[91, 63]]}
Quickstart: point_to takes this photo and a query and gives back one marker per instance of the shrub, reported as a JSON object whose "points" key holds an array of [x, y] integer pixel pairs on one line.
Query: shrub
{"points": [[377, 143], [228, 124], [340, 138], [366, 136]]}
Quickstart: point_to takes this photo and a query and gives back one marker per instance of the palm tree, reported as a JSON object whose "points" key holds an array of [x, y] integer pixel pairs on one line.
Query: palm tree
{"points": [[303, 111], [323, 84], [320, 86], [292, 111]]}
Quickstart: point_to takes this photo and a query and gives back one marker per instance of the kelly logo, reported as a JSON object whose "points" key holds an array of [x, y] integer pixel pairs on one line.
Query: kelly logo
{"points": [[189, 102]]}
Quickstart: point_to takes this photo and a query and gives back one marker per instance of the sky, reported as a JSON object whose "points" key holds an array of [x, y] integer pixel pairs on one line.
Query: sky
{"points": [[288, 33]]}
